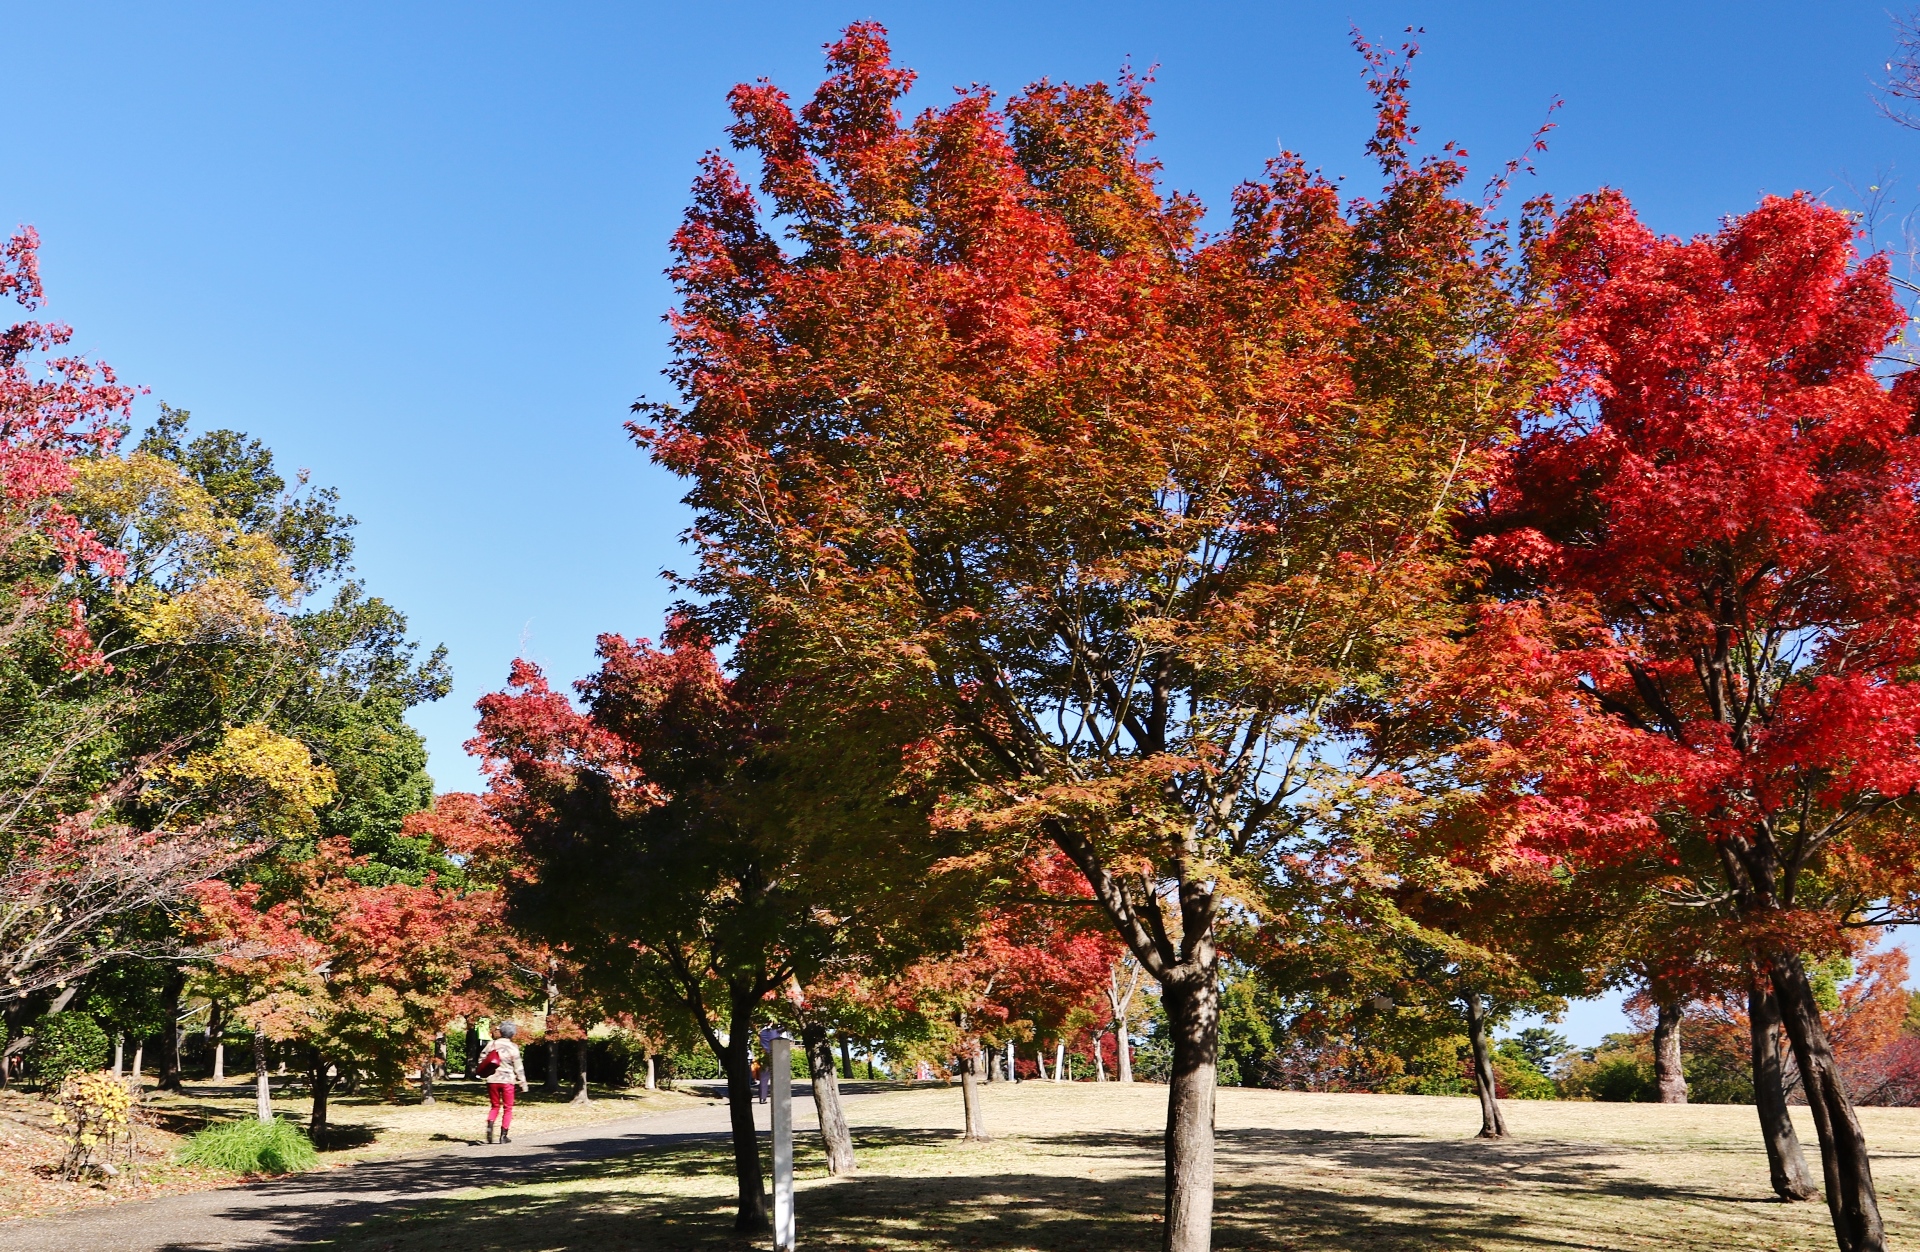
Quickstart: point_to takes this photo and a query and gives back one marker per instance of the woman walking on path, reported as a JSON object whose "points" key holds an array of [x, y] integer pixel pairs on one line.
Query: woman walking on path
{"points": [[500, 1065]]}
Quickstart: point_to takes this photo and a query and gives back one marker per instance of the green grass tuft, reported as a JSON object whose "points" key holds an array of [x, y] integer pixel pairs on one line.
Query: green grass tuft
{"points": [[251, 1147]]}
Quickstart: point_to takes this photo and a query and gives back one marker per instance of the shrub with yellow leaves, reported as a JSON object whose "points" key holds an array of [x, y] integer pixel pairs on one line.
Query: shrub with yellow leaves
{"points": [[94, 1112]]}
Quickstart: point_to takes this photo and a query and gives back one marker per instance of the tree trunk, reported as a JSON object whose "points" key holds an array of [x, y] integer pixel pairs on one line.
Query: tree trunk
{"points": [[580, 1093], [1668, 1076], [736, 1062], [826, 1098], [1792, 1180], [1040, 1061], [262, 1089], [651, 1079], [553, 1066], [217, 1040], [426, 1081], [971, 1096], [1193, 1020], [170, 1030], [1124, 1047], [1099, 1061], [1843, 1148], [119, 1054], [1492, 1124], [139, 1063], [473, 1050], [322, 1084]]}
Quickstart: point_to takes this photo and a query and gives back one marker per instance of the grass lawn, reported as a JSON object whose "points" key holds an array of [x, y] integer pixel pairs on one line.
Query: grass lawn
{"points": [[362, 1128], [1078, 1167]]}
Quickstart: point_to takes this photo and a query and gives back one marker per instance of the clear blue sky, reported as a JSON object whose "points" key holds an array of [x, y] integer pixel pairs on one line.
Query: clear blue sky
{"points": [[418, 248]]}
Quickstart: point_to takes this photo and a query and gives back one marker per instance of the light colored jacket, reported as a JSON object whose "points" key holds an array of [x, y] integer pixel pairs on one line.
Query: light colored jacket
{"points": [[511, 1069]]}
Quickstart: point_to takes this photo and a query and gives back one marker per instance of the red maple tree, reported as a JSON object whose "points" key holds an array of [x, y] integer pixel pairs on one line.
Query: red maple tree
{"points": [[1709, 544]]}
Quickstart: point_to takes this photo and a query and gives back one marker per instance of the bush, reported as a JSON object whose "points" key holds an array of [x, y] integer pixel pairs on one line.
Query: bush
{"points": [[696, 1064], [64, 1044], [252, 1147], [1620, 1069]]}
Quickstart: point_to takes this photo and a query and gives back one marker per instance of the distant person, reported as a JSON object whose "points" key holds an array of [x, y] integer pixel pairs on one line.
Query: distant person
{"points": [[501, 1066]]}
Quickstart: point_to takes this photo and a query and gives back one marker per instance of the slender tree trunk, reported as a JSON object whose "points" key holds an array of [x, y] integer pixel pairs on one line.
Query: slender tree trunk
{"points": [[322, 1085], [651, 1077], [1492, 1124], [426, 1080], [553, 1066], [1099, 1061], [139, 1063], [1668, 1076], [1193, 1020], [736, 1062], [1124, 1047], [1787, 1165], [870, 1061], [826, 1098], [119, 1053], [580, 1093], [170, 1030], [972, 1096], [473, 1050], [846, 1059], [1843, 1148], [1040, 1061], [217, 1040], [262, 1089]]}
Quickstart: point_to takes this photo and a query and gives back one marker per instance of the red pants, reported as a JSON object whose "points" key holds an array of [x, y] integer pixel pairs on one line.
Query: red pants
{"points": [[500, 1104]]}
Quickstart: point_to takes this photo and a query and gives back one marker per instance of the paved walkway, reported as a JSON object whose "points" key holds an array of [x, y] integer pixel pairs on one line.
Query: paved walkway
{"points": [[304, 1208]]}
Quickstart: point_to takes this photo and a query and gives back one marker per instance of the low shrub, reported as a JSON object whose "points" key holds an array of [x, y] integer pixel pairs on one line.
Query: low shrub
{"points": [[252, 1147], [65, 1044]]}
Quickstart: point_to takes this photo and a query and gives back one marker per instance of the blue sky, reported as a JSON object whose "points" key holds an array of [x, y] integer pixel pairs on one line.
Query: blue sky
{"points": [[418, 248]]}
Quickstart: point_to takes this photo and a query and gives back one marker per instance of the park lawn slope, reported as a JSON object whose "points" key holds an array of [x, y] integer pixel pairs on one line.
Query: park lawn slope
{"points": [[1078, 1167]]}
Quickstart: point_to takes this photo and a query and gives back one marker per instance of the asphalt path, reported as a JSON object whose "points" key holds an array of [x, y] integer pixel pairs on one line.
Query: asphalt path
{"points": [[306, 1208]]}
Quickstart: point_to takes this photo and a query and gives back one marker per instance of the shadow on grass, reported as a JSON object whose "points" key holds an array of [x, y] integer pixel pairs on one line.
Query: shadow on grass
{"points": [[1272, 1193]]}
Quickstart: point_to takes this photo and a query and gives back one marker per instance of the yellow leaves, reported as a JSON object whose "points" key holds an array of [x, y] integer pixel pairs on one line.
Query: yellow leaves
{"points": [[271, 775], [192, 575]]}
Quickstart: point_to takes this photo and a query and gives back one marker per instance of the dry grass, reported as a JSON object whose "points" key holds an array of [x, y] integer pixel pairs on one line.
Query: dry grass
{"points": [[1079, 1167], [363, 1127]]}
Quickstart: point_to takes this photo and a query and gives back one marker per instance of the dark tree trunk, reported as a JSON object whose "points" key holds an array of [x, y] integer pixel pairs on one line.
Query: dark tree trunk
{"points": [[869, 1060], [1493, 1124], [580, 1093], [1787, 1165], [1193, 1021], [1668, 1076], [322, 1085], [1843, 1148], [846, 1059], [971, 1096], [826, 1099], [473, 1050], [170, 1030], [736, 1062], [552, 1084]]}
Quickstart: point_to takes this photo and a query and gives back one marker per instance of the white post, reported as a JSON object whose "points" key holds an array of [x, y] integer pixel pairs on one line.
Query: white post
{"points": [[780, 1061], [1060, 1060], [1011, 1076]]}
